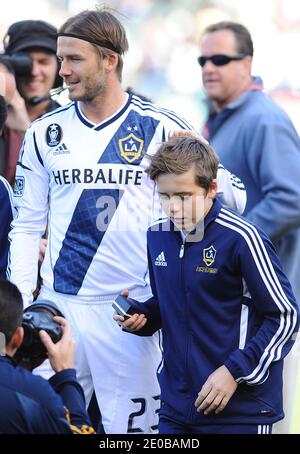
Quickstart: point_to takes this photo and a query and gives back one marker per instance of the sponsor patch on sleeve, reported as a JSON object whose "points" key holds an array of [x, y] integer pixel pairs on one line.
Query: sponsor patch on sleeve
{"points": [[19, 186]]}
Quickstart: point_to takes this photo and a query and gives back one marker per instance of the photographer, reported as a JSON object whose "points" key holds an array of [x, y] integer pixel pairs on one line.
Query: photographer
{"points": [[28, 403], [30, 49]]}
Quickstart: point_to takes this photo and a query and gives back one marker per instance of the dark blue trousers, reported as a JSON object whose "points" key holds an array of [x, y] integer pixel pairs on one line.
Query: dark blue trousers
{"points": [[169, 426]]}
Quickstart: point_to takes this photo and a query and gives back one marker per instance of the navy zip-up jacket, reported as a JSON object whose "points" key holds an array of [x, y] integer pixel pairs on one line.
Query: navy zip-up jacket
{"points": [[223, 300], [30, 404], [6, 217]]}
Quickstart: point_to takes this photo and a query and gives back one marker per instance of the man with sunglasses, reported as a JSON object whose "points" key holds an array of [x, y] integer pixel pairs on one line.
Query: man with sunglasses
{"points": [[256, 140]]}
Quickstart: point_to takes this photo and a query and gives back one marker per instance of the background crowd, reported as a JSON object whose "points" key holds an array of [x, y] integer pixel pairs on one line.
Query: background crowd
{"points": [[164, 38]]}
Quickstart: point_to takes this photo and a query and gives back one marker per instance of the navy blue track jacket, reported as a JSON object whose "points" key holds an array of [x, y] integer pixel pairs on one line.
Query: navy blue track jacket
{"points": [[6, 216], [30, 405], [223, 300]]}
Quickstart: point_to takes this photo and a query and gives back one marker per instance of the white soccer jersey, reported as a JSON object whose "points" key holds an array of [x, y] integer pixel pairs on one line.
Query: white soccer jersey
{"points": [[88, 182]]}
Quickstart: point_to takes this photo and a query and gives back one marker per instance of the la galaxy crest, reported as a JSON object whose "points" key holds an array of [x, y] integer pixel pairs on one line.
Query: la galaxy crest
{"points": [[131, 147], [53, 135], [209, 255]]}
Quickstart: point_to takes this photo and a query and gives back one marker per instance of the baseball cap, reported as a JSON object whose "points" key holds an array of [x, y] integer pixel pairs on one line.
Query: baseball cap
{"points": [[30, 33]]}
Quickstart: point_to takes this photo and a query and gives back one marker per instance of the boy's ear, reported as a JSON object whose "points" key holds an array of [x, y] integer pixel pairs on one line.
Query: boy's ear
{"points": [[213, 189], [16, 339]]}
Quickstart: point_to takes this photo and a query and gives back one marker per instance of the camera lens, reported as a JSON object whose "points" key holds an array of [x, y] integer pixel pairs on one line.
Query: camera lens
{"points": [[38, 316], [21, 63]]}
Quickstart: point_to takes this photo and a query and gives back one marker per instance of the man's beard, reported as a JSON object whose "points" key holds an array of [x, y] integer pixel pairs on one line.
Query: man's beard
{"points": [[92, 92]]}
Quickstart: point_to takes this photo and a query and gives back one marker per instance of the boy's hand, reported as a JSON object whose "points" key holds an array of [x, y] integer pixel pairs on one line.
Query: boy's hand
{"points": [[135, 322], [216, 391]]}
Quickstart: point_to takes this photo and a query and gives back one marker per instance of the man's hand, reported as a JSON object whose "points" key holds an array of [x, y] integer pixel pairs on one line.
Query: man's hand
{"points": [[42, 250], [17, 116], [184, 133], [216, 391], [61, 354]]}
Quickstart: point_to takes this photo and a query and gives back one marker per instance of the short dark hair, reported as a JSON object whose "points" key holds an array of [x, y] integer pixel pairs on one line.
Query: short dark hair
{"points": [[99, 25], [179, 154], [242, 35], [11, 309]]}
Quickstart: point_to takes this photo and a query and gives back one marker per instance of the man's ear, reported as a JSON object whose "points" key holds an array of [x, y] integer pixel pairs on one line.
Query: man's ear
{"points": [[111, 62], [247, 63], [16, 340]]}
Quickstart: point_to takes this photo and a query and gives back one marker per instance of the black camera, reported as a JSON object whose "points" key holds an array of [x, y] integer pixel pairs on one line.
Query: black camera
{"points": [[20, 62], [36, 317]]}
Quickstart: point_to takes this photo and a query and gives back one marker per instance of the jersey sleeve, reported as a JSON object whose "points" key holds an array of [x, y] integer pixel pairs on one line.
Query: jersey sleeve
{"points": [[31, 202], [231, 190], [275, 303]]}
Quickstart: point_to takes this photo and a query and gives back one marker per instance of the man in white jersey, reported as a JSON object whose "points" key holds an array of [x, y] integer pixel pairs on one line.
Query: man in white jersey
{"points": [[82, 168]]}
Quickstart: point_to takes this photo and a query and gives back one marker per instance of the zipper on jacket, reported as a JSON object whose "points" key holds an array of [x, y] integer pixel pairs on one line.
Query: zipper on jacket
{"points": [[182, 280], [181, 252]]}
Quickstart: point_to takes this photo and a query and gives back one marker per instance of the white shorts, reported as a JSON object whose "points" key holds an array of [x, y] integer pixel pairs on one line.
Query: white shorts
{"points": [[119, 366]]}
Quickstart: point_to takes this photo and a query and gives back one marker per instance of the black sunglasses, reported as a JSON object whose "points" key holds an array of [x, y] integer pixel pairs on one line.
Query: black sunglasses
{"points": [[220, 60]]}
